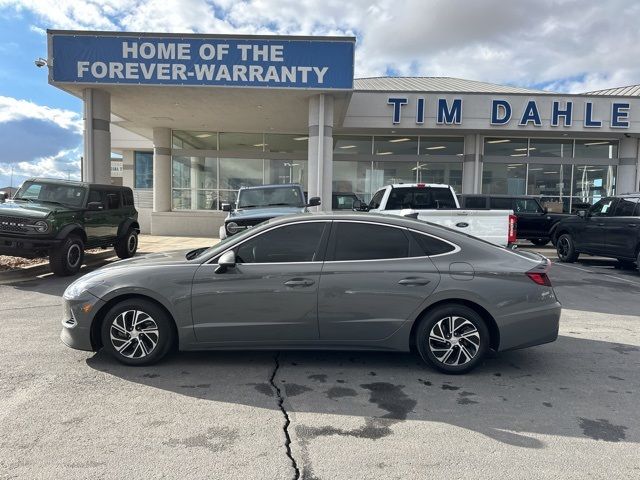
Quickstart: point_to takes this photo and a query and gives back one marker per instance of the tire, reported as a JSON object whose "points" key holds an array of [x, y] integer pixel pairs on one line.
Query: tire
{"points": [[566, 249], [626, 263], [539, 242], [67, 259], [459, 355], [144, 344], [127, 246]]}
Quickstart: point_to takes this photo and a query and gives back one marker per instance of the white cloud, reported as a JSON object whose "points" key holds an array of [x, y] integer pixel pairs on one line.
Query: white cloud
{"points": [[12, 109], [570, 45], [65, 164]]}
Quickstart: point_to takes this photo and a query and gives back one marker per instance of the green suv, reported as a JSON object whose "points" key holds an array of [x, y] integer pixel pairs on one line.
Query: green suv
{"points": [[61, 218]]}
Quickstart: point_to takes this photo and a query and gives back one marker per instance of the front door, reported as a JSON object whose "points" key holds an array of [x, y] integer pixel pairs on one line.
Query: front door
{"points": [[271, 295], [533, 222], [96, 221], [594, 233], [372, 282]]}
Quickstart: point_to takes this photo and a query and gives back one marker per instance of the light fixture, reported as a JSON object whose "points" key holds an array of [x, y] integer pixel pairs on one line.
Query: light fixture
{"points": [[439, 147], [597, 143], [514, 165], [347, 146], [534, 169], [518, 155], [299, 139], [398, 140], [203, 135], [502, 140], [549, 173], [259, 107], [520, 149], [259, 144], [384, 153]]}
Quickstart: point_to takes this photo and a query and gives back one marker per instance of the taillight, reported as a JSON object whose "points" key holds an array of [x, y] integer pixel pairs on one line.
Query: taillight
{"points": [[512, 229], [540, 275], [540, 278]]}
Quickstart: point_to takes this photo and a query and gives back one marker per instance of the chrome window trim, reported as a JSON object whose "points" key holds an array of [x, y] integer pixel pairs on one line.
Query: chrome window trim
{"points": [[215, 259]]}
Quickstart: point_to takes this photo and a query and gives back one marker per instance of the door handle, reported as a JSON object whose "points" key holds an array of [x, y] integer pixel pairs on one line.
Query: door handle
{"points": [[632, 225], [600, 224], [299, 282], [414, 281]]}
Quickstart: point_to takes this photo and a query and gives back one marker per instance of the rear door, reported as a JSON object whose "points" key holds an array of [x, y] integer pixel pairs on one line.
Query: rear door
{"points": [[375, 279], [622, 229], [95, 221], [114, 213], [533, 222]]}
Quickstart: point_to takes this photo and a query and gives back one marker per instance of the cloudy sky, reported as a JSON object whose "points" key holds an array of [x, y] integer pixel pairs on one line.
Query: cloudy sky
{"points": [[558, 45]]}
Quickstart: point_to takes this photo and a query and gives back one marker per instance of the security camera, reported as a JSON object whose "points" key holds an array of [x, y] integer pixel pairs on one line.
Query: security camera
{"points": [[40, 62]]}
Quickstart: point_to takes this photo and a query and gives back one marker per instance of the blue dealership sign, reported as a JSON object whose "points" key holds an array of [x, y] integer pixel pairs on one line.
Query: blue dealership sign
{"points": [[287, 62]]}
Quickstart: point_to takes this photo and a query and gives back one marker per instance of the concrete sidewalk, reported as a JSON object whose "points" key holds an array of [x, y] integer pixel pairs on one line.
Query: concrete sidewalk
{"points": [[98, 257]]}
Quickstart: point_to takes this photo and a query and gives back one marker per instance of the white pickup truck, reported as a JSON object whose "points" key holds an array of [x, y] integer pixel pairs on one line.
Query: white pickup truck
{"points": [[437, 203]]}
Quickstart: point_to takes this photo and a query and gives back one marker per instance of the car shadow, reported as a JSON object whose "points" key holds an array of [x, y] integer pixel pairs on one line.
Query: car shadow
{"points": [[573, 387]]}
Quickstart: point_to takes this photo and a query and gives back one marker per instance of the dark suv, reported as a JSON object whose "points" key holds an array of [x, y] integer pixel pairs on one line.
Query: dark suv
{"points": [[59, 219], [610, 228], [534, 220]]}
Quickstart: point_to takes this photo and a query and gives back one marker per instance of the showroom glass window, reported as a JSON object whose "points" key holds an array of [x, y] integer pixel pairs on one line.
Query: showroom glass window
{"points": [[352, 177], [445, 173], [504, 178], [383, 145], [555, 148], [143, 170], [438, 146], [365, 241], [291, 243], [352, 145], [593, 182], [596, 149], [505, 147]]}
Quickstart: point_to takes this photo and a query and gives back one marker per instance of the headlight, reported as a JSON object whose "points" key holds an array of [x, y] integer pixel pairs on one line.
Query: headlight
{"points": [[40, 226], [232, 227]]}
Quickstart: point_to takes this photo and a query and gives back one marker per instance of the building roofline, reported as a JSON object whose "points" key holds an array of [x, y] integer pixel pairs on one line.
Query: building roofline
{"points": [[106, 33]]}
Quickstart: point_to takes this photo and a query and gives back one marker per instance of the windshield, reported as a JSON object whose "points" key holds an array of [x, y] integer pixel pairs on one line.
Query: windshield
{"points": [[270, 197], [68, 195]]}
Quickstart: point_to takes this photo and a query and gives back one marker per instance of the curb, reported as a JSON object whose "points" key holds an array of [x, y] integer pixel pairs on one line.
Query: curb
{"points": [[29, 273]]}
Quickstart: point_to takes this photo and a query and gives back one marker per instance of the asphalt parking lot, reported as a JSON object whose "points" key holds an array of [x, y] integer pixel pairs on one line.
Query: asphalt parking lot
{"points": [[569, 409]]}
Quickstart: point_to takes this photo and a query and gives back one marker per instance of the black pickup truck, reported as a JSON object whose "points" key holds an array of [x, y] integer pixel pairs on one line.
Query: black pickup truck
{"points": [[610, 228], [534, 221]]}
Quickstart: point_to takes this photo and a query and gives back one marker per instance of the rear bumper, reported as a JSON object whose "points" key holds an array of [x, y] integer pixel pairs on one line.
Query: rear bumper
{"points": [[531, 327], [26, 247]]}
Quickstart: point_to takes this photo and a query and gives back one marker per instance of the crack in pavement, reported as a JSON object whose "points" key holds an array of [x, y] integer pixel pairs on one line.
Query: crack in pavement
{"points": [[287, 421]]}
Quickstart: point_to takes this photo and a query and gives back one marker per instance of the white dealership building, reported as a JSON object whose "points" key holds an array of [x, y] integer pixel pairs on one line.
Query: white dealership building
{"points": [[195, 117]]}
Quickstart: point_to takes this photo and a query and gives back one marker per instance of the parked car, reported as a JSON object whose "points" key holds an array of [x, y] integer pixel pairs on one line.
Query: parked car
{"points": [[610, 228], [254, 205], [60, 219], [534, 220], [320, 281], [343, 200], [437, 203]]}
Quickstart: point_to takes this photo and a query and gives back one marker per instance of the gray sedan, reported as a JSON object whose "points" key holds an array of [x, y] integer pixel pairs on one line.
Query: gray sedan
{"points": [[320, 281]]}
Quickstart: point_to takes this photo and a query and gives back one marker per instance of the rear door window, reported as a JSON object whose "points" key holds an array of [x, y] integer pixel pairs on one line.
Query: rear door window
{"points": [[430, 246], [626, 207], [602, 208], [499, 203], [526, 205], [475, 202], [364, 241]]}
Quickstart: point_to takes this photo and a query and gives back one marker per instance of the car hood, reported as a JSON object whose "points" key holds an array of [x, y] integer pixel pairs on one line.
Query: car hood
{"points": [[17, 208], [266, 213], [152, 259]]}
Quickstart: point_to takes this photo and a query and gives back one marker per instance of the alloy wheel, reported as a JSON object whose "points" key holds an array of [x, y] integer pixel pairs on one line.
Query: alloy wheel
{"points": [[454, 340], [134, 334], [73, 255], [132, 242], [563, 247]]}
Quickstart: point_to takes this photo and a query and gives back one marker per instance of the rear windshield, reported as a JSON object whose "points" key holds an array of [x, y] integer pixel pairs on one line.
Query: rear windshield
{"points": [[421, 198]]}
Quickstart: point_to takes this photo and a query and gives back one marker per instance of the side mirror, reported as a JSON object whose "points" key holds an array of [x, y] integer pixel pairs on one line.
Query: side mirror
{"points": [[226, 207], [582, 213], [545, 210], [95, 206], [313, 202], [226, 261]]}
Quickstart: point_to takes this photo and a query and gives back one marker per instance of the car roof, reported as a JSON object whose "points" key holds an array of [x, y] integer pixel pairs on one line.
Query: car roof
{"points": [[74, 183], [500, 195], [279, 185], [421, 185]]}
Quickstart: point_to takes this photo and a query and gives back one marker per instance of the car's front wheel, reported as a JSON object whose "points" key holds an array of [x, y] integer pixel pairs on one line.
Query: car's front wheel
{"points": [[453, 338], [137, 332], [68, 257], [566, 249], [539, 242]]}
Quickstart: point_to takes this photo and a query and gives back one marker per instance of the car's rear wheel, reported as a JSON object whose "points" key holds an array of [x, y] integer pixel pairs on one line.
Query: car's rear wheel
{"points": [[452, 338], [539, 242], [68, 257], [127, 246], [137, 332], [566, 249]]}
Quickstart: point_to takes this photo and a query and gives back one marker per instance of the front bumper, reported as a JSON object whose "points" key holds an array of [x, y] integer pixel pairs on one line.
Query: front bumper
{"points": [[531, 327], [26, 247], [77, 319]]}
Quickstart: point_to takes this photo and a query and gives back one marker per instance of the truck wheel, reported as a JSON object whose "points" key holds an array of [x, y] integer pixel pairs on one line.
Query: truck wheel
{"points": [[68, 257], [539, 242], [566, 249], [127, 246]]}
